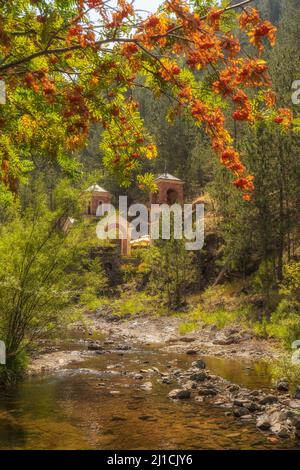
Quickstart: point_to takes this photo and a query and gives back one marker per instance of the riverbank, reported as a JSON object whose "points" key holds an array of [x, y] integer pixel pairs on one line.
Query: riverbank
{"points": [[274, 411], [230, 342]]}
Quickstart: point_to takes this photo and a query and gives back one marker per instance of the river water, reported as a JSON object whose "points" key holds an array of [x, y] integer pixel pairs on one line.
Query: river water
{"points": [[98, 404]]}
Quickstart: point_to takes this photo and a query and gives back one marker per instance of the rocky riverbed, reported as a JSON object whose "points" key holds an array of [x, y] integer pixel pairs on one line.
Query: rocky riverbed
{"points": [[229, 342], [275, 412]]}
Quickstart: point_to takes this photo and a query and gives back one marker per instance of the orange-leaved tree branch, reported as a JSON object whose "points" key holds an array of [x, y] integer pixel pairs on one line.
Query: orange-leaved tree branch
{"points": [[66, 66]]}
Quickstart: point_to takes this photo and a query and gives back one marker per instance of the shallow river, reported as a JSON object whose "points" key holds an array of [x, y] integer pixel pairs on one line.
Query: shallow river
{"points": [[95, 405]]}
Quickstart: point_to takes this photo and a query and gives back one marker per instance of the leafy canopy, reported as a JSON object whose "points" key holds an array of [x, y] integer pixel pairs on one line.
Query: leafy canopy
{"points": [[69, 63]]}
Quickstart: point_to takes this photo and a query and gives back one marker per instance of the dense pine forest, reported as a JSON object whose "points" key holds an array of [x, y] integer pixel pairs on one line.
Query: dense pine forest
{"points": [[57, 277]]}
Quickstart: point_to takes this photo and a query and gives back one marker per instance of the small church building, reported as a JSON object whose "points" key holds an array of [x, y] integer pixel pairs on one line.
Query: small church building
{"points": [[169, 190], [97, 196]]}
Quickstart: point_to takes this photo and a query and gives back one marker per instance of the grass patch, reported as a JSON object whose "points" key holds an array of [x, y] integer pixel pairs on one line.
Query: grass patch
{"points": [[229, 304], [220, 318], [138, 303], [223, 296], [285, 329], [285, 369], [187, 327], [91, 301]]}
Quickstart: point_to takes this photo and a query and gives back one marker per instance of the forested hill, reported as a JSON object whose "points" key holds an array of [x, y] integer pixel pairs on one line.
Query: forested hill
{"points": [[273, 9]]}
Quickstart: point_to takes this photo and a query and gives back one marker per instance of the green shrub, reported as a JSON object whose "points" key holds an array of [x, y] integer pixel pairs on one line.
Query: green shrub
{"points": [[170, 263], [260, 328], [264, 283], [137, 303], [14, 368], [187, 327], [286, 329], [42, 271], [284, 368], [290, 286]]}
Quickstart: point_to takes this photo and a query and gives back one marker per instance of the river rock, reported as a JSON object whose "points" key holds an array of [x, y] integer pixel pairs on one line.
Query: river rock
{"points": [[281, 421], [263, 423], [116, 366], [253, 407], [199, 364], [112, 318], [246, 417], [268, 400], [190, 385], [147, 386], [295, 404], [240, 411], [192, 352], [238, 402], [187, 339], [295, 421], [199, 399], [297, 394], [180, 394], [282, 386], [166, 380], [255, 393], [208, 391], [281, 430], [211, 328], [173, 339], [147, 418], [223, 339], [199, 377], [123, 347], [95, 346], [177, 372], [138, 376]]}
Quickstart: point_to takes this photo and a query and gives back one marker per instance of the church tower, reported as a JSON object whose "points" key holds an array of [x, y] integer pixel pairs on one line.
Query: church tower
{"points": [[170, 190], [97, 196]]}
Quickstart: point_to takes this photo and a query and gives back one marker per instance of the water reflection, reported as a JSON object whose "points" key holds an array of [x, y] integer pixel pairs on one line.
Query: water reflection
{"points": [[99, 406]]}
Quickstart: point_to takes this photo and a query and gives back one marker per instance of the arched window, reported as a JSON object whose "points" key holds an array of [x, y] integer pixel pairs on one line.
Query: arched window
{"points": [[172, 196]]}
